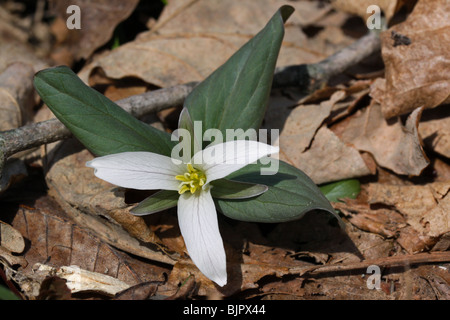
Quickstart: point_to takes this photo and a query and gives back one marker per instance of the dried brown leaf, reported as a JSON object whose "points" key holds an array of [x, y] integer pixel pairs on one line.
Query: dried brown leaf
{"points": [[141, 291], [434, 130], [76, 184], [229, 16], [11, 239], [381, 221], [16, 109], [416, 73], [97, 205], [303, 122], [60, 243], [15, 46], [426, 207], [16, 95], [185, 46], [337, 160], [393, 145], [98, 20]]}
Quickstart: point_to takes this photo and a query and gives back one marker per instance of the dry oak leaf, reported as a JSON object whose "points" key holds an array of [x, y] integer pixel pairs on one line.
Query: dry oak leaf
{"points": [[393, 145], [416, 74]]}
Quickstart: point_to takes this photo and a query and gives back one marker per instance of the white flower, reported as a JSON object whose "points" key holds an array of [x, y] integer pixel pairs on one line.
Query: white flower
{"points": [[197, 215]]}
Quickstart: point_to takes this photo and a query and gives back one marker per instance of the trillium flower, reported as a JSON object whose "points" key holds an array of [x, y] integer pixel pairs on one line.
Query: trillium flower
{"points": [[197, 214]]}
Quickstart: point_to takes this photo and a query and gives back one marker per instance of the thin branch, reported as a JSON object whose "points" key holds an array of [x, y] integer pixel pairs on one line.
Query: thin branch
{"points": [[394, 261], [312, 76]]}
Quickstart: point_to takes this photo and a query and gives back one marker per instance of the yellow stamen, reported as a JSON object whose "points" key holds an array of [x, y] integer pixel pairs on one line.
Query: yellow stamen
{"points": [[191, 181]]}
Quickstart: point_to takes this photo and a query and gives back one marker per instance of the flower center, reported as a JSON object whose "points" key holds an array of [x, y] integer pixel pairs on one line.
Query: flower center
{"points": [[192, 180]]}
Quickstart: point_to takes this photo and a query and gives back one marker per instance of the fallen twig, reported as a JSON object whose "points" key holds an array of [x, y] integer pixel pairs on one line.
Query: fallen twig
{"points": [[313, 76], [394, 261]]}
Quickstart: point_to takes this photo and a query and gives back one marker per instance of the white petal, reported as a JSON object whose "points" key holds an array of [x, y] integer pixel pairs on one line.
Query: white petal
{"points": [[198, 224], [138, 170], [219, 160]]}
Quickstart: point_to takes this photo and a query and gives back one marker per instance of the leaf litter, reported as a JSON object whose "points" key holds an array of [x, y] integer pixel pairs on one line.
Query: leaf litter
{"points": [[389, 132]]}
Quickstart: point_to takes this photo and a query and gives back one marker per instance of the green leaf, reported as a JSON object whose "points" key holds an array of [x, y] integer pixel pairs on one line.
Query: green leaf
{"points": [[229, 189], [100, 124], [235, 96], [341, 189], [290, 195], [159, 201], [6, 294]]}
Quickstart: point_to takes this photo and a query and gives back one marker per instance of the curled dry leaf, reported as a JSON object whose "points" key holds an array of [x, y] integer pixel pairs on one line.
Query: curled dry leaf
{"points": [[416, 73], [79, 280], [393, 145]]}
